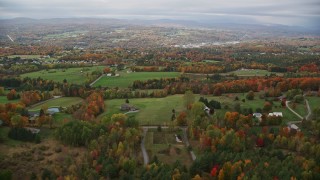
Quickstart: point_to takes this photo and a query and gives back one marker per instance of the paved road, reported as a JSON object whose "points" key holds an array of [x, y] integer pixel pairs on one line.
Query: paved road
{"points": [[287, 104], [309, 110]]}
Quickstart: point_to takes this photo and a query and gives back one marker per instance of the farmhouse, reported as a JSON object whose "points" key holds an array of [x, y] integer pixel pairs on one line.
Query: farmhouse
{"points": [[257, 115], [128, 107]]}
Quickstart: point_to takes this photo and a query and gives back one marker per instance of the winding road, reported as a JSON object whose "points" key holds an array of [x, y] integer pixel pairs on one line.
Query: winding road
{"points": [[307, 117]]}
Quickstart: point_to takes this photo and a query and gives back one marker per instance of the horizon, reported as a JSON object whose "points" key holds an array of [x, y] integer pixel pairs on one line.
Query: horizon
{"points": [[287, 12]]}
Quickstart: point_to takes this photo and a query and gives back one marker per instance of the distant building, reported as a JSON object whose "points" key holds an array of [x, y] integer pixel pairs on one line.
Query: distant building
{"points": [[277, 114], [178, 140], [206, 109], [258, 116], [293, 126], [33, 130]]}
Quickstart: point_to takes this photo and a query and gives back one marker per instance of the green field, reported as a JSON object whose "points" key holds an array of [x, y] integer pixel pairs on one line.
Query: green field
{"points": [[25, 56], [300, 108], [73, 75], [157, 111], [126, 79], [251, 72], [4, 100], [314, 102], [153, 111], [63, 102]]}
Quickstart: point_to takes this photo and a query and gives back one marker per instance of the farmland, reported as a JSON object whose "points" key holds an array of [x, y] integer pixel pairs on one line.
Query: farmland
{"points": [[72, 75], [126, 79], [64, 102]]}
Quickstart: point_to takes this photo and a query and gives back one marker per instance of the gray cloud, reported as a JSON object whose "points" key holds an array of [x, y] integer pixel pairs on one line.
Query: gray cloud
{"points": [[288, 12]]}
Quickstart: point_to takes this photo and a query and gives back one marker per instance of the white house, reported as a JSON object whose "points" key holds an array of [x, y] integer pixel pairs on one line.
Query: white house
{"points": [[257, 115], [293, 126], [277, 114], [206, 109], [178, 140]]}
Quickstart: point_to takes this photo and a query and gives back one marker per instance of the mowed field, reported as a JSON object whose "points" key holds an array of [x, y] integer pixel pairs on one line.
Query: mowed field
{"points": [[152, 111], [126, 79], [314, 102], [63, 102], [157, 111], [73, 75]]}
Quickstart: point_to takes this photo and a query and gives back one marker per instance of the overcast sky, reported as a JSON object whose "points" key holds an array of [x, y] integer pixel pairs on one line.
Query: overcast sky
{"points": [[287, 12]]}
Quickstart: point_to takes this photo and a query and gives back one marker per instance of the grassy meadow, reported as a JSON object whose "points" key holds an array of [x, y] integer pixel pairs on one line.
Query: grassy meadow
{"points": [[73, 75], [126, 79], [63, 101]]}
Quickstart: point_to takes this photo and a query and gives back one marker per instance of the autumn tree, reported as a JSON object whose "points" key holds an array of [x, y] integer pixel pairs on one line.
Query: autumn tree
{"points": [[13, 95], [182, 119], [250, 95], [188, 99], [267, 107]]}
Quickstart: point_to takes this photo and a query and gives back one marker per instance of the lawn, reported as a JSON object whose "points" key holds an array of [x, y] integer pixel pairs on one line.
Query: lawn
{"points": [[63, 102], [153, 111], [300, 108], [126, 79], [314, 102], [164, 146], [4, 100], [251, 72], [72, 75], [61, 118]]}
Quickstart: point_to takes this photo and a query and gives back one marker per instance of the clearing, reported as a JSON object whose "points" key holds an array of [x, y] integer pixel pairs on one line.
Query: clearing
{"points": [[163, 145]]}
